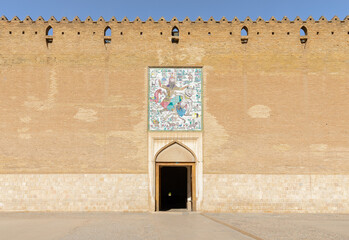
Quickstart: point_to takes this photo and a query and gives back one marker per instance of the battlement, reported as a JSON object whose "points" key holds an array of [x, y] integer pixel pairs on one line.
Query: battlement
{"points": [[248, 20], [27, 36]]}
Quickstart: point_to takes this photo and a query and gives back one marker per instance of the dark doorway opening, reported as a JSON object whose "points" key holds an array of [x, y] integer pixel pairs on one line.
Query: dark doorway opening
{"points": [[173, 188]]}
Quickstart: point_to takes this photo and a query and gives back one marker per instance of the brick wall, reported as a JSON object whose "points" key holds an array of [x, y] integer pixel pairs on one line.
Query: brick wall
{"points": [[79, 106], [74, 192], [276, 193]]}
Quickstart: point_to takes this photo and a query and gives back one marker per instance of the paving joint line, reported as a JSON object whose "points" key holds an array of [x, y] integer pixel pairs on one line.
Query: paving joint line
{"points": [[232, 227]]}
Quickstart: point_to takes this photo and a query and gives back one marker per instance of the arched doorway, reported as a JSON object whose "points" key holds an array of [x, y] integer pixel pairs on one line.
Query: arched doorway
{"points": [[175, 178]]}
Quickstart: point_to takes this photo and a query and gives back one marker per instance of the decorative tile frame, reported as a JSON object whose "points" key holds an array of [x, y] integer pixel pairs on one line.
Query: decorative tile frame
{"points": [[175, 99]]}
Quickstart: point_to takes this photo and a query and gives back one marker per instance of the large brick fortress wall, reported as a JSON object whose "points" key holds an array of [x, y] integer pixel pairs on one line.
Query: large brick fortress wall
{"points": [[275, 111]]}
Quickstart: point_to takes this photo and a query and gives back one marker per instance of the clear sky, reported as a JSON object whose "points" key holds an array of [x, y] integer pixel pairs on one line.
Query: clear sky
{"points": [[178, 8]]}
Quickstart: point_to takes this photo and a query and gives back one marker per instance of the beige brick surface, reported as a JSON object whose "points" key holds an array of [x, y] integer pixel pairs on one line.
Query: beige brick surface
{"points": [[73, 192], [276, 193], [271, 107]]}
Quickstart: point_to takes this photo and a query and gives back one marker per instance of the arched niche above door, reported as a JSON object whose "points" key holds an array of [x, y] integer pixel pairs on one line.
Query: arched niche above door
{"points": [[175, 152]]}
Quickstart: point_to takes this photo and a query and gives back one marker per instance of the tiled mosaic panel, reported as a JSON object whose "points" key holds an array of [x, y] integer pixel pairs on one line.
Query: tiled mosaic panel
{"points": [[175, 99]]}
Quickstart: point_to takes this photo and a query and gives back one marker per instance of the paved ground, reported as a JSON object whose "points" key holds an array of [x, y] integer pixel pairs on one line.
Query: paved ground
{"points": [[176, 225]]}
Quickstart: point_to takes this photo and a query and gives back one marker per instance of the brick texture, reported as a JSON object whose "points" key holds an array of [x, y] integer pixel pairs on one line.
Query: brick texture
{"points": [[73, 192], [72, 104], [276, 193]]}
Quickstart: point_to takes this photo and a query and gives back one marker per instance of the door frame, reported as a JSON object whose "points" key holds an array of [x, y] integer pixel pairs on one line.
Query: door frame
{"points": [[174, 164]]}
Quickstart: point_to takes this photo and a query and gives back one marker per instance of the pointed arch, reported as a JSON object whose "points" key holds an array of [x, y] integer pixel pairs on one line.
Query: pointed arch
{"points": [[175, 31], [303, 31], [244, 31], [107, 32], [49, 31], [175, 151]]}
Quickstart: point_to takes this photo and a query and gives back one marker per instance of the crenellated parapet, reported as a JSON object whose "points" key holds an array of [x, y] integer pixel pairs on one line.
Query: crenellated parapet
{"points": [[75, 34], [285, 19]]}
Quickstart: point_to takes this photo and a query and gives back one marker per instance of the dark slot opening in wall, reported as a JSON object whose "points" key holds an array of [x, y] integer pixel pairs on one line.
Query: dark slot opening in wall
{"points": [[49, 31], [175, 35], [244, 35], [107, 32], [304, 40], [175, 32], [244, 31], [49, 41], [107, 35], [303, 31]]}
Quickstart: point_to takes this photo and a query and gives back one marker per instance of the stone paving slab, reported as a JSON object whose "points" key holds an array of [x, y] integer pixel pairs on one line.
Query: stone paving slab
{"points": [[289, 226], [173, 225]]}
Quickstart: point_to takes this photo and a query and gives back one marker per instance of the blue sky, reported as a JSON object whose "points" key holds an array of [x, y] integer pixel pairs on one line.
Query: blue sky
{"points": [[178, 8]]}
